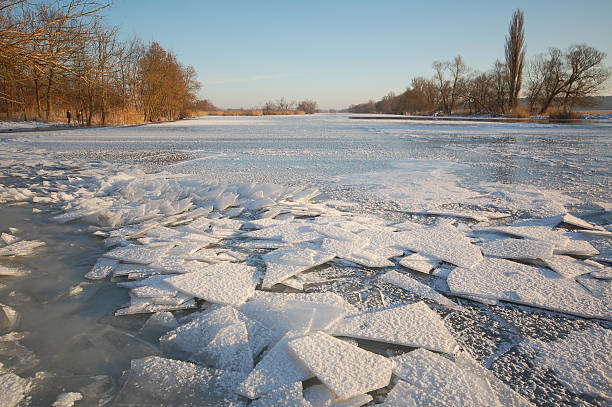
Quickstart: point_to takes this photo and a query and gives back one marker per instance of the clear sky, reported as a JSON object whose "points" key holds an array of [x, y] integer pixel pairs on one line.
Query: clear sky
{"points": [[346, 52]]}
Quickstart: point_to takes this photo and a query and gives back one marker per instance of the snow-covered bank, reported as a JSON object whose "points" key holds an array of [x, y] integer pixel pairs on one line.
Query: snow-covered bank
{"points": [[270, 292]]}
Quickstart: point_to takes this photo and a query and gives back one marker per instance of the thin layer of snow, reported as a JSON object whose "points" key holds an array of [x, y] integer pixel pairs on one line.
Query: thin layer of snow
{"points": [[521, 249]]}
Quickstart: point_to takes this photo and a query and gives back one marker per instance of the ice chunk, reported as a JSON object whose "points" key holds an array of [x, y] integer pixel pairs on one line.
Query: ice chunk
{"points": [[443, 379], [286, 232], [222, 283], [443, 243], [580, 223], [420, 263], [158, 324], [346, 369], [604, 274], [597, 233], [499, 279], [367, 258], [414, 325], [102, 269], [156, 381], [578, 248], [277, 368], [518, 249], [582, 361], [478, 216], [67, 399], [289, 395], [320, 396], [138, 254], [599, 288], [12, 272], [568, 267], [9, 318], [543, 233], [410, 284], [21, 248], [287, 262], [404, 394], [8, 239], [13, 389], [342, 248], [335, 232]]}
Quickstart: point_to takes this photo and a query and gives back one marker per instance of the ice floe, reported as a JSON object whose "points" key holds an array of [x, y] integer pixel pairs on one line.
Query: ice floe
{"points": [[521, 249], [289, 395], [21, 248], [284, 263], [420, 263], [67, 399], [12, 271], [320, 396], [410, 284]]}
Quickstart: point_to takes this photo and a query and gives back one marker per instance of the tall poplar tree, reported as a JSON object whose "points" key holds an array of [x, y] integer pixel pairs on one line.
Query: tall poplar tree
{"points": [[515, 56]]}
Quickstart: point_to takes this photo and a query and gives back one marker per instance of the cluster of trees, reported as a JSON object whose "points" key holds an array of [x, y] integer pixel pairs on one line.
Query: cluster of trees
{"points": [[559, 80], [58, 55], [282, 105]]}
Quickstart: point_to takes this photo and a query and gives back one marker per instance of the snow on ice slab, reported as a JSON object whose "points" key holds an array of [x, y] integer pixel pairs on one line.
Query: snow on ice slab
{"points": [[13, 389], [582, 361], [518, 249], [410, 284], [138, 254], [67, 399], [445, 244], [346, 369], [221, 283], [21, 248], [568, 267], [417, 262], [156, 381], [284, 263], [277, 368], [414, 325], [578, 248], [320, 396], [12, 272], [499, 279], [576, 221], [289, 395], [478, 216], [543, 233], [443, 379], [102, 268]]}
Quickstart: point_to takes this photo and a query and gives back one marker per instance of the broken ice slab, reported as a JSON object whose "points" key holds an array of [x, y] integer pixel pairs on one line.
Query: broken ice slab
{"points": [[9, 318], [443, 243], [414, 325], [284, 263], [21, 248], [542, 233], [404, 394], [125, 269], [410, 284], [13, 389], [294, 283], [67, 399], [146, 307], [138, 254], [597, 233], [277, 368], [580, 223], [156, 381], [420, 263], [441, 378], [603, 273], [289, 395], [158, 324], [599, 288], [346, 369], [8, 239], [522, 249], [499, 279], [102, 269], [367, 258], [288, 232], [221, 283], [581, 361], [12, 271], [578, 248], [478, 216], [568, 267], [320, 396]]}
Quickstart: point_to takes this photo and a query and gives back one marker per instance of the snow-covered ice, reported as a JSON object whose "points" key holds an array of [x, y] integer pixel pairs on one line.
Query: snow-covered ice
{"points": [[422, 290]]}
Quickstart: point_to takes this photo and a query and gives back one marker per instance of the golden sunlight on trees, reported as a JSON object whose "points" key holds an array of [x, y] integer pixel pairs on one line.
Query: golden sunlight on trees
{"points": [[515, 56]]}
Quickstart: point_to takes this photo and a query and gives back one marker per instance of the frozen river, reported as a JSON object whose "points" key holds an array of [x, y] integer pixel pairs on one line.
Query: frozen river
{"points": [[450, 191]]}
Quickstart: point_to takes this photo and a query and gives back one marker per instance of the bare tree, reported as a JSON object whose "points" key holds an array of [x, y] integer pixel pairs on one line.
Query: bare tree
{"points": [[307, 106], [515, 56]]}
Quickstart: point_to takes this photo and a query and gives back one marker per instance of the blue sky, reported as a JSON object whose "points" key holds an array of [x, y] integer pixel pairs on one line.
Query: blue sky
{"points": [[344, 52]]}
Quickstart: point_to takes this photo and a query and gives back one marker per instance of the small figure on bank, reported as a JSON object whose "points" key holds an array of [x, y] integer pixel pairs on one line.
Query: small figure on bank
{"points": [[68, 116], [79, 116]]}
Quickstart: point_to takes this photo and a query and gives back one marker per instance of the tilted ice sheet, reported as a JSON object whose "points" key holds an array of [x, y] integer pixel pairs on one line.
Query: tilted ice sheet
{"points": [[287, 262], [346, 369], [320, 396], [289, 395], [420, 263], [21, 248], [102, 269], [138, 254], [582, 361], [499, 279], [568, 267], [518, 249], [410, 284], [414, 325]]}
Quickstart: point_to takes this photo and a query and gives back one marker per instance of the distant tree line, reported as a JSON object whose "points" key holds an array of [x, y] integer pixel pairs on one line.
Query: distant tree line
{"points": [[282, 105], [557, 80], [58, 55]]}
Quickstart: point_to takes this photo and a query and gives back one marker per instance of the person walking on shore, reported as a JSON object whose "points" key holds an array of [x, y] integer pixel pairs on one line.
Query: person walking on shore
{"points": [[68, 116]]}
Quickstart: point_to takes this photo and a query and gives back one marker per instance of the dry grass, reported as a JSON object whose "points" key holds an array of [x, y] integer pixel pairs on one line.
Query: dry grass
{"points": [[520, 112], [564, 115]]}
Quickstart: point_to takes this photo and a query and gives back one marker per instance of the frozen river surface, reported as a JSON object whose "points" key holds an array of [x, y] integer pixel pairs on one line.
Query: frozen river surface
{"points": [[253, 255]]}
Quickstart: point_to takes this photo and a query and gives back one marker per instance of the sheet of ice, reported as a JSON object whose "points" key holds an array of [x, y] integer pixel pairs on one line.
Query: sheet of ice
{"points": [[414, 325], [138, 254], [478, 216], [156, 381], [8, 239], [277, 368], [582, 361], [221, 283], [443, 243], [420, 263], [12, 271], [289, 395], [410, 284], [368, 258], [284, 263], [604, 274], [568, 267], [67, 399], [320, 396], [294, 232], [440, 377], [21, 248], [9, 318], [102, 269], [518, 249], [599, 288], [580, 223], [158, 324], [578, 248], [499, 279], [597, 233], [543, 233], [327, 298], [346, 369], [13, 389]]}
